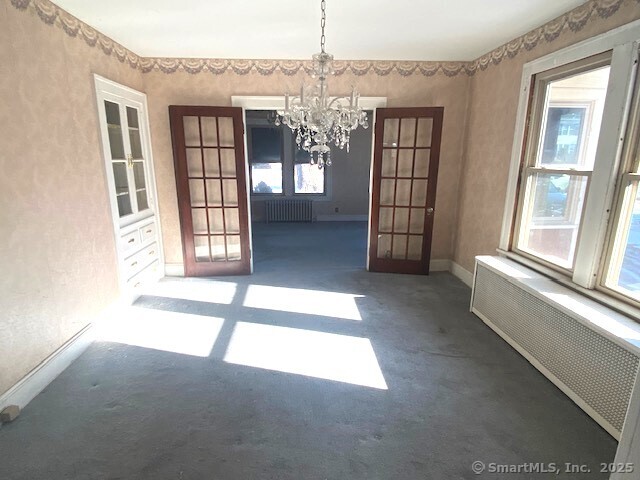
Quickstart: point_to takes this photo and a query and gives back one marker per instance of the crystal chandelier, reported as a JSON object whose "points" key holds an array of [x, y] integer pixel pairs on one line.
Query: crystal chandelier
{"points": [[317, 119]]}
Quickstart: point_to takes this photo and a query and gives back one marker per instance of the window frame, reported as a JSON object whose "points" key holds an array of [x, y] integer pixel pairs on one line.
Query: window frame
{"points": [[251, 161], [603, 189], [537, 119]]}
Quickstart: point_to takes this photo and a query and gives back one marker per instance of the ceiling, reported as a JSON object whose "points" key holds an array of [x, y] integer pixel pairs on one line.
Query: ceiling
{"points": [[290, 29]]}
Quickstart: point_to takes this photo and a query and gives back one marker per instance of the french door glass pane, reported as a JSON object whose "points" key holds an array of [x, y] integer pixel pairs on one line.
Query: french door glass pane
{"points": [[425, 128], [414, 247], [201, 245], [218, 249], [389, 162], [266, 177], [551, 216], [199, 221], [225, 131], [191, 131], [194, 162], [571, 120], [624, 271], [308, 179]]}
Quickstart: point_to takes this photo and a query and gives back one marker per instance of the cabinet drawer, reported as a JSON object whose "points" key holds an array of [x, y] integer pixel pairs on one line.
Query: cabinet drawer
{"points": [[138, 261], [150, 273], [147, 232], [130, 241]]}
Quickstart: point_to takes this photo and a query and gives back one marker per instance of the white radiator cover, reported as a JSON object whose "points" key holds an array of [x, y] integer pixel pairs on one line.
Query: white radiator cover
{"points": [[593, 367]]}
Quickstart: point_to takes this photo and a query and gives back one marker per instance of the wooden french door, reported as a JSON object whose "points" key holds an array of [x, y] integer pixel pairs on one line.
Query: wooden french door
{"points": [[405, 172], [208, 151]]}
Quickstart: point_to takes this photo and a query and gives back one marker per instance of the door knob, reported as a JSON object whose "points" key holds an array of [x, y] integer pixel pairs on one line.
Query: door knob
{"points": [[430, 211]]}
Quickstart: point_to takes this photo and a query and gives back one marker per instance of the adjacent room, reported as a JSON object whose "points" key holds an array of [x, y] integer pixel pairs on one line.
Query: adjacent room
{"points": [[320, 239], [300, 213]]}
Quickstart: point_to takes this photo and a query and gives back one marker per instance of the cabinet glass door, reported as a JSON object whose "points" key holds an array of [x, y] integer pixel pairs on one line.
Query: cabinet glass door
{"points": [[137, 159], [119, 162], [127, 158]]}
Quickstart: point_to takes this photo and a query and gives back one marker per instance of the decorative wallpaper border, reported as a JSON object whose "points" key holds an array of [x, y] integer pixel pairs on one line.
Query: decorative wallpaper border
{"points": [[574, 20]]}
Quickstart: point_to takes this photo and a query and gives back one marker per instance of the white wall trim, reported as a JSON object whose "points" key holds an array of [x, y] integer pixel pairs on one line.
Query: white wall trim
{"points": [[339, 217], [37, 379], [462, 273], [174, 269]]}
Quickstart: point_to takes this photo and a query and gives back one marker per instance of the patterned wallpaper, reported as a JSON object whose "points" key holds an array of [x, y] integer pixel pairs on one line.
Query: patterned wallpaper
{"points": [[575, 20]]}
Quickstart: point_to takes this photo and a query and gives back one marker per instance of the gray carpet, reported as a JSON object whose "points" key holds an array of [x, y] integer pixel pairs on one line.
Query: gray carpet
{"points": [[456, 393]]}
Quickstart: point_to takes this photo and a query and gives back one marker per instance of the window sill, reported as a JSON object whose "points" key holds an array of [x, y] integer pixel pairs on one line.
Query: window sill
{"points": [[609, 302]]}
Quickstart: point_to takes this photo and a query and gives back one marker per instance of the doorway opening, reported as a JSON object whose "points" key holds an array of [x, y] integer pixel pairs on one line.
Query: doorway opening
{"points": [[304, 217]]}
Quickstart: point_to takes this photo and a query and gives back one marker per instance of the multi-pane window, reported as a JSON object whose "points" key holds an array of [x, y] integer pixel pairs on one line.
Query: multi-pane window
{"points": [[565, 121], [276, 162], [575, 177], [265, 156]]}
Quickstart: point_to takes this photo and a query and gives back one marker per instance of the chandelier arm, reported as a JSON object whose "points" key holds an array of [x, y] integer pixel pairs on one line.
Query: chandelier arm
{"points": [[336, 99]]}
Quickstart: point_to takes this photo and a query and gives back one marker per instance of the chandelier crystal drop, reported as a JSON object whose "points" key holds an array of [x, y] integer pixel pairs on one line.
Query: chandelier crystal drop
{"points": [[317, 119]]}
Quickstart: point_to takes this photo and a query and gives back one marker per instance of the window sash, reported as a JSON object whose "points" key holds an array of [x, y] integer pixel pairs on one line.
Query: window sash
{"points": [[619, 240], [567, 221], [539, 107]]}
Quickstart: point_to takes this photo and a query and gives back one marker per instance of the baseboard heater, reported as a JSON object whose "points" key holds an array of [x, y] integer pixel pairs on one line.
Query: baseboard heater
{"points": [[587, 350], [289, 210]]}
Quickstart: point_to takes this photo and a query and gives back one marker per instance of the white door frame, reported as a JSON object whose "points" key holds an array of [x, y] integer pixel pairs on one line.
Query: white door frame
{"points": [[277, 103]]}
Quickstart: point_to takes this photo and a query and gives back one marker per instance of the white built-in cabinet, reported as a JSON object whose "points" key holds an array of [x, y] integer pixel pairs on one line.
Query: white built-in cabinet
{"points": [[124, 126]]}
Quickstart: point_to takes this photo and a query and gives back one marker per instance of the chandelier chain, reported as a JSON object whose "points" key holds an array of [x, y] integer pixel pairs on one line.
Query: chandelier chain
{"points": [[323, 22]]}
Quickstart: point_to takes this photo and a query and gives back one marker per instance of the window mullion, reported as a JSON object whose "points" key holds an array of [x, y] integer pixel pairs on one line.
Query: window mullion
{"points": [[602, 185]]}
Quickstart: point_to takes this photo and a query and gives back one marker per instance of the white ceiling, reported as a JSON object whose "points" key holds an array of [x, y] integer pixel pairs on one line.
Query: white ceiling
{"points": [[290, 29]]}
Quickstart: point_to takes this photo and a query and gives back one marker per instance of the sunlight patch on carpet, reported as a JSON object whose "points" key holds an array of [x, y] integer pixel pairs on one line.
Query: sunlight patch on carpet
{"points": [[341, 358]]}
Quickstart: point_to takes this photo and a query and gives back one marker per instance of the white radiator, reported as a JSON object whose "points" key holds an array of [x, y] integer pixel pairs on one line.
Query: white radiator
{"points": [[565, 336], [289, 210]]}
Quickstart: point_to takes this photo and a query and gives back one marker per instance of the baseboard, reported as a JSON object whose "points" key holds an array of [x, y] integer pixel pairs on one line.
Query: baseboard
{"points": [[440, 265], [462, 273], [342, 218], [174, 269], [37, 379]]}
